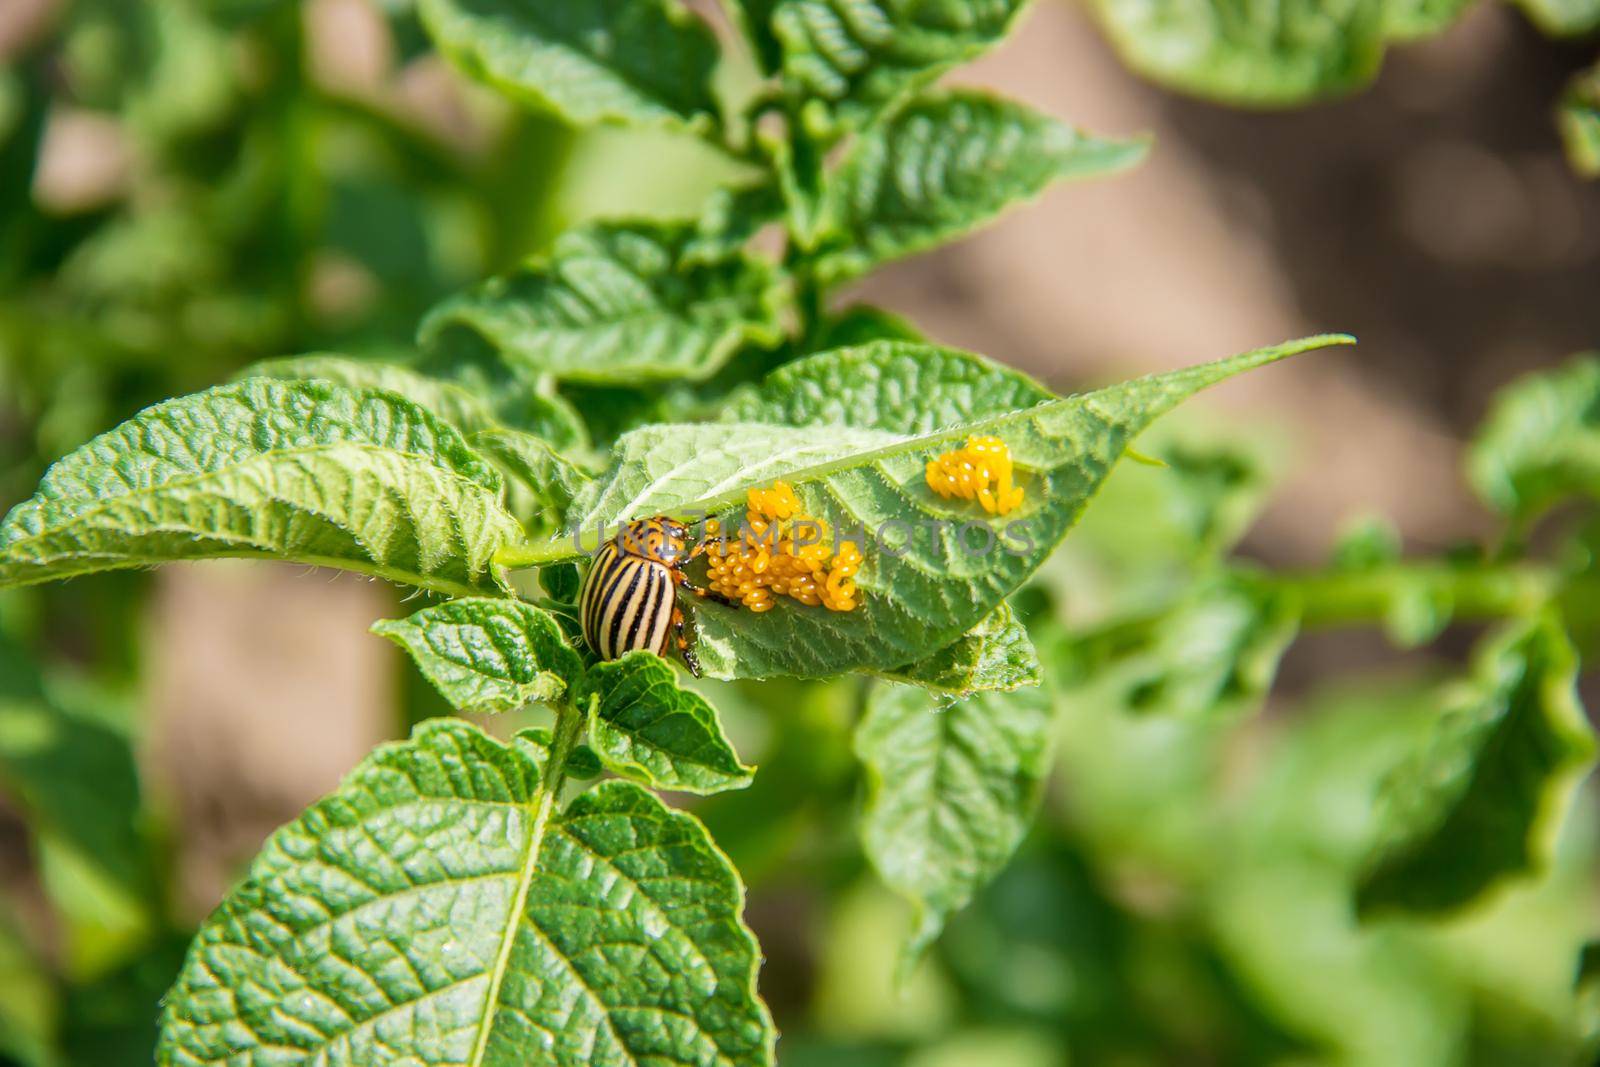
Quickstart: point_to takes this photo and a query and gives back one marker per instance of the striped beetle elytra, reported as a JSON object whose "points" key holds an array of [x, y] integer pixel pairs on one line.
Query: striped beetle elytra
{"points": [[629, 598]]}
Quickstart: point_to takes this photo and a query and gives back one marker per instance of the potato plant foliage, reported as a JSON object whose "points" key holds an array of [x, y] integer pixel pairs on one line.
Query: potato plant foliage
{"points": [[1276, 55], [467, 900]]}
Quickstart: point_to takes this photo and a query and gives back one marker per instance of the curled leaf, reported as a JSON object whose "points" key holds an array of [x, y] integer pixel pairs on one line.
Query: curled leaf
{"points": [[1483, 801]]}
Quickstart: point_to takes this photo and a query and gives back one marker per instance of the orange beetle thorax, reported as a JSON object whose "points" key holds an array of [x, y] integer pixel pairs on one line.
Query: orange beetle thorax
{"points": [[657, 540]]}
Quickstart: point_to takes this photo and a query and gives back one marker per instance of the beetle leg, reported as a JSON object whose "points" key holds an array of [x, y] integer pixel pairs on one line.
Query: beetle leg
{"points": [[682, 581], [690, 660]]}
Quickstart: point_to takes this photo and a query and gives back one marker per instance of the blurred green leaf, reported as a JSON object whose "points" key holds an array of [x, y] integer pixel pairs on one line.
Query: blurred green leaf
{"points": [[1277, 857], [540, 410], [1418, 610], [994, 655], [1483, 802], [1214, 490], [918, 597], [439, 907], [1579, 117], [306, 471], [730, 218], [861, 324], [1563, 18], [1055, 939], [1153, 530], [191, 77], [28, 1005], [644, 727], [76, 778], [860, 57], [805, 789], [1541, 440], [952, 784], [532, 404], [1248, 53], [1365, 544], [111, 1021], [639, 61], [1406, 20], [487, 654], [67, 766], [801, 167], [1586, 987], [619, 303], [1212, 654], [546, 483], [945, 164]]}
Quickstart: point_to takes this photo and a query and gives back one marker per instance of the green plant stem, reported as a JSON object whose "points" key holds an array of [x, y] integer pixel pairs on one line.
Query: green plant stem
{"points": [[1475, 591], [570, 721], [534, 553]]}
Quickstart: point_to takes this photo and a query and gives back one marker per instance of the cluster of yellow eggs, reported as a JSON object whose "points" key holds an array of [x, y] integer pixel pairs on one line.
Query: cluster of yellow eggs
{"points": [[980, 471], [768, 559]]}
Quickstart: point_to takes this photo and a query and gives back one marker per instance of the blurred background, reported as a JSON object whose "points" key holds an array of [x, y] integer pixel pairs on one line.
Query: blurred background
{"points": [[186, 187]]}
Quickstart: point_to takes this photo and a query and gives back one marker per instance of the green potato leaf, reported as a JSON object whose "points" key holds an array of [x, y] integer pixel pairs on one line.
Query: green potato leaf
{"points": [[1579, 119], [1483, 802], [951, 788], [995, 655], [458, 406], [440, 907], [901, 387], [856, 58], [545, 481], [532, 409], [619, 303], [487, 654], [307, 471], [1541, 441], [910, 387], [644, 727], [635, 61], [1249, 53], [944, 165], [921, 585]]}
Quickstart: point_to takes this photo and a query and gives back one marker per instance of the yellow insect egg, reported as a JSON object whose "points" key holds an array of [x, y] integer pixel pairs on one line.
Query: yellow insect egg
{"points": [[980, 471], [778, 554]]}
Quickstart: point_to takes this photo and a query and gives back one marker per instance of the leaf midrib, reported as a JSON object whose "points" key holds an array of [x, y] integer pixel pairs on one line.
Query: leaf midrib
{"points": [[560, 546], [815, 471], [519, 904]]}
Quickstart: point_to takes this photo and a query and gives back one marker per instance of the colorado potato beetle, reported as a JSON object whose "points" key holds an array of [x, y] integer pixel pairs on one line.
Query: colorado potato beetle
{"points": [[629, 597]]}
